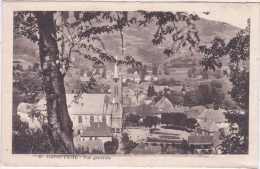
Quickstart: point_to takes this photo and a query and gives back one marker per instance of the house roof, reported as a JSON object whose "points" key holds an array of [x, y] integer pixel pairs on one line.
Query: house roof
{"points": [[178, 109], [162, 103], [200, 139], [142, 148], [176, 88], [192, 113], [213, 115], [167, 107], [208, 126], [79, 127], [199, 108], [146, 110], [130, 110], [97, 129]]}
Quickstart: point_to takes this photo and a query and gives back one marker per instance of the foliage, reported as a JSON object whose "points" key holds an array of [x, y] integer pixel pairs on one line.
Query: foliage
{"points": [[155, 69], [133, 118], [151, 92], [235, 142], [111, 147], [29, 141], [165, 82], [204, 95], [190, 99], [191, 123], [149, 121], [217, 94], [128, 145], [177, 119], [205, 74]]}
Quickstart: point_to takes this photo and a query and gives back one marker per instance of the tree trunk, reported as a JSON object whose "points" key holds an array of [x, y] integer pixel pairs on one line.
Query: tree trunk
{"points": [[60, 125]]}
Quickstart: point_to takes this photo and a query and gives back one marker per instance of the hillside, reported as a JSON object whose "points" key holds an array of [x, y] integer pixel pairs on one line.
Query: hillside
{"points": [[137, 41]]}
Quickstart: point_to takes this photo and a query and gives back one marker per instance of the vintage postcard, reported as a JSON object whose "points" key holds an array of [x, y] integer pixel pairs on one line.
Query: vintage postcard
{"points": [[130, 84]]}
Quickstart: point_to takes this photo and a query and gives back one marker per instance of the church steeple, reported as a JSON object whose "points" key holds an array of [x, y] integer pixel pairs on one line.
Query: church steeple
{"points": [[116, 70]]}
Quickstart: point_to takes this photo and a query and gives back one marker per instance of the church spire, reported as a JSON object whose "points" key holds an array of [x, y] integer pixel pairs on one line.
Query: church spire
{"points": [[116, 69]]}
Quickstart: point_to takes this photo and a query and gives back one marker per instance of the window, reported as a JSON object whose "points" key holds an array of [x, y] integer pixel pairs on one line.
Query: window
{"points": [[117, 130], [104, 119], [91, 119], [80, 119]]}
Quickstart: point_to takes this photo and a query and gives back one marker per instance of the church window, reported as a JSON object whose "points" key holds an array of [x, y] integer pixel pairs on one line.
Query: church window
{"points": [[104, 119], [80, 119], [91, 119]]}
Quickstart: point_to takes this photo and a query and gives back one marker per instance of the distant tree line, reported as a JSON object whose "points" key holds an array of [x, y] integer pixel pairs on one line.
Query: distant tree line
{"points": [[194, 72]]}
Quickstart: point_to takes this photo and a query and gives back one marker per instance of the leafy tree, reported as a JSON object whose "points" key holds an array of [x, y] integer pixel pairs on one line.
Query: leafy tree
{"points": [[104, 73], [128, 145], [204, 96], [205, 74], [111, 147], [155, 69], [235, 142], [191, 123], [29, 68], [184, 147], [151, 91], [133, 118], [218, 74], [217, 94], [149, 121], [29, 141], [189, 73], [167, 72], [166, 118], [190, 99], [178, 119]]}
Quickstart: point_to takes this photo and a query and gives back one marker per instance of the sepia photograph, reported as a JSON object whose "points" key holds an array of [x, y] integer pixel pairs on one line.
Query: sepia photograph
{"points": [[123, 83]]}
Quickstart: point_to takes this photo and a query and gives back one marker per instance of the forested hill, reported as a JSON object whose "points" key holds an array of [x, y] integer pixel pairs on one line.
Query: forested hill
{"points": [[137, 41]]}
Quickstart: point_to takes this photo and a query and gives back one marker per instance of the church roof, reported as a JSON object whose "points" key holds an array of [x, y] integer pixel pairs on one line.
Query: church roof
{"points": [[86, 103], [97, 129]]}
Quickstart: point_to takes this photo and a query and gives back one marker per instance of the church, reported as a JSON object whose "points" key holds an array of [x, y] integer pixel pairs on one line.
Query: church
{"points": [[87, 109]]}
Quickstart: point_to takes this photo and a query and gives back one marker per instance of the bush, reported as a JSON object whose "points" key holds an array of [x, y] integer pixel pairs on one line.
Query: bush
{"points": [[128, 145], [111, 147]]}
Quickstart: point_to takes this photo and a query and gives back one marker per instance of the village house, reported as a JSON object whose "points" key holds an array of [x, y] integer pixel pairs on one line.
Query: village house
{"points": [[217, 116], [201, 144], [143, 148], [162, 103], [97, 131], [207, 128]]}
